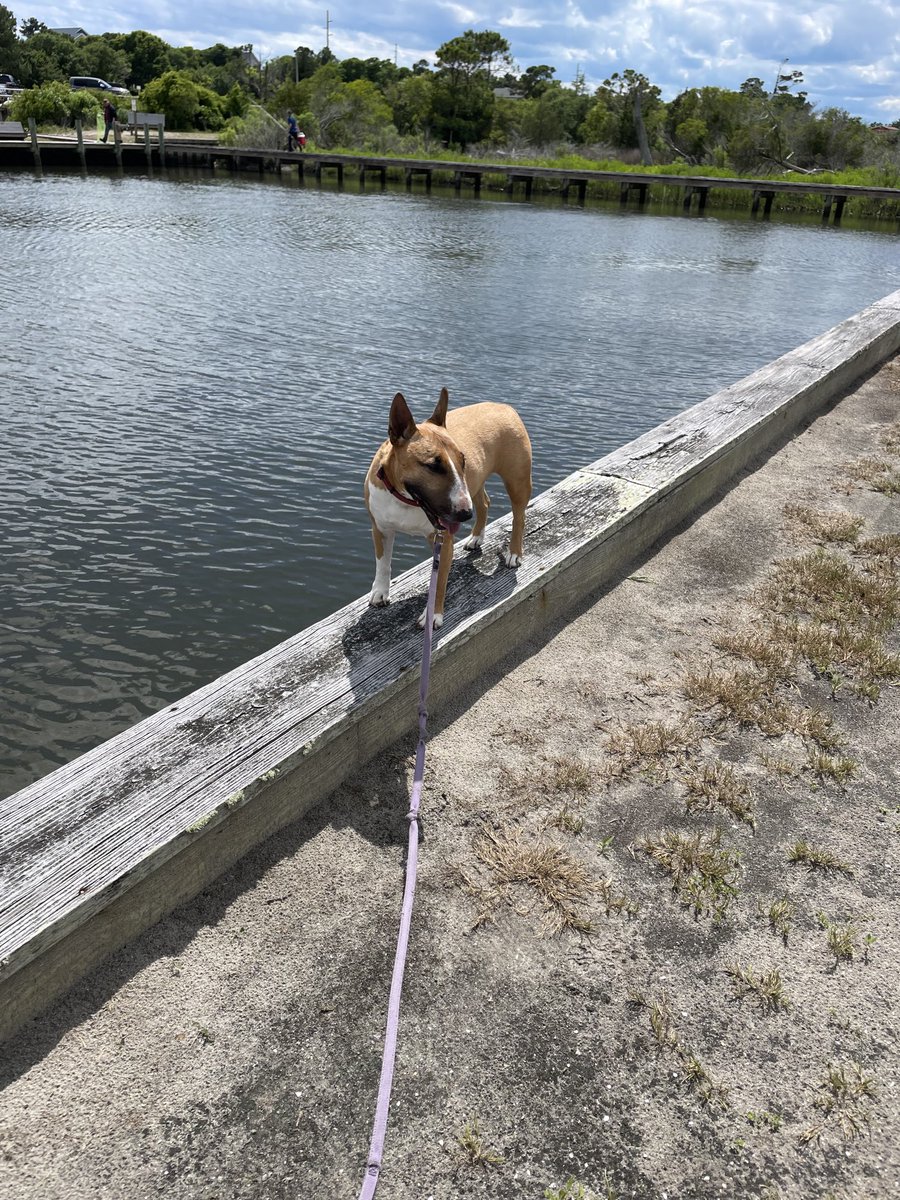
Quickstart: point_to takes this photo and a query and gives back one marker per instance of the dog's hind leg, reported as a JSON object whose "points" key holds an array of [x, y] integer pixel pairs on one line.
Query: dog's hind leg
{"points": [[519, 495]]}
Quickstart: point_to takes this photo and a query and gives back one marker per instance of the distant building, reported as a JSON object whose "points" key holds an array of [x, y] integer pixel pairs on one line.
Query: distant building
{"points": [[884, 129], [248, 58], [75, 32], [506, 93]]}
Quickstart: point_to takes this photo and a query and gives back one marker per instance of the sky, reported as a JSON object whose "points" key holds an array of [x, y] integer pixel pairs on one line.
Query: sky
{"points": [[848, 50]]}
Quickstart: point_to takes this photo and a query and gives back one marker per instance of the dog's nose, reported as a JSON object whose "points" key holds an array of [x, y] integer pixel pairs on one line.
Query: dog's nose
{"points": [[463, 514]]}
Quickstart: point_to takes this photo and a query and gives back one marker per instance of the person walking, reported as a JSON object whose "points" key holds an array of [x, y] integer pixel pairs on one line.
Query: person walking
{"points": [[109, 117], [293, 131]]}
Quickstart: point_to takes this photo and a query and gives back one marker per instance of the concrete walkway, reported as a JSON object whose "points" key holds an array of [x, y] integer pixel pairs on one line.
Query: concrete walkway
{"points": [[567, 1014]]}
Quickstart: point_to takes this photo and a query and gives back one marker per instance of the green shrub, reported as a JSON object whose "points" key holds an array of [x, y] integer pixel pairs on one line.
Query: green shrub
{"points": [[48, 104], [84, 104], [186, 104]]}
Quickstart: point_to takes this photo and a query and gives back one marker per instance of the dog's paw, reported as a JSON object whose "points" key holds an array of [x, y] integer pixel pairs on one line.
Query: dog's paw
{"points": [[378, 597], [512, 560], [472, 542], [435, 624]]}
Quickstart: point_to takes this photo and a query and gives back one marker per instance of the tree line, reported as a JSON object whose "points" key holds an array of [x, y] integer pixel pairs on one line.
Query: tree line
{"points": [[472, 98]]}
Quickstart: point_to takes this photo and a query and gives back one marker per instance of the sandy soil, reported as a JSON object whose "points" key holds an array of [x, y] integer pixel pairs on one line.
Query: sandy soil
{"points": [[569, 1015]]}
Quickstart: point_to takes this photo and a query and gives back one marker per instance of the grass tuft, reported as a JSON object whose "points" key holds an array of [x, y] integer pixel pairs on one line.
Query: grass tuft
{"points": [[841, 527], [845, 1095], [780, 915], [766, 988], [817, 858], [703, 872], [841, 938], [652, 746], [695, 1075], [715, 784], [562, 883], [474, 1150]]}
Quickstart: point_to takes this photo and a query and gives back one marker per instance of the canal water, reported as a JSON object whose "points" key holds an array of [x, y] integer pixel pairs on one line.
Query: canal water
{"points": [[196, 371]]}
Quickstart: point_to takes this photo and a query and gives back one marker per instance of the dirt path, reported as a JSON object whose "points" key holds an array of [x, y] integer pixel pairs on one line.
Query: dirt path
{"points": [[655, 947]]}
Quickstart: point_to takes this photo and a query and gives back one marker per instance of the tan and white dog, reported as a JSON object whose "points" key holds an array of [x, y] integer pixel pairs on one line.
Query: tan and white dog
{"points": [[432, 475]]}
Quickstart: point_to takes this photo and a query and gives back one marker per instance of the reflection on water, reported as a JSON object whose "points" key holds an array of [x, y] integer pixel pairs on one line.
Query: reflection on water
{"points": [[197, 372]]}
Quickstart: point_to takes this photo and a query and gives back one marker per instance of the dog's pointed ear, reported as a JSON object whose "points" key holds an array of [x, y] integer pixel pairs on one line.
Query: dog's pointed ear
{"points": [[401, 426], [439, 416]]}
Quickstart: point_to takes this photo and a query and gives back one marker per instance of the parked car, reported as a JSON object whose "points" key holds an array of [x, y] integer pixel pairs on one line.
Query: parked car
{"points": [[98, 85], [8, 81]]}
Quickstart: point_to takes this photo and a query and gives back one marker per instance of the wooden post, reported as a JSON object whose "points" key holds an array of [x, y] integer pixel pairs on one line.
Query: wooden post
{"points": [[162, 146], [688, 197], [35, 148], [826, 211], [839, 202], [147, 148], [117, 138], [623, 193], [703, 193], [79, 133], [408, 176]]}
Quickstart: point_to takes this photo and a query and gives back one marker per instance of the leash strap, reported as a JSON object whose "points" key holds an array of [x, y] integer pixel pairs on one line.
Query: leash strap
{"points": [[379, 1128]]}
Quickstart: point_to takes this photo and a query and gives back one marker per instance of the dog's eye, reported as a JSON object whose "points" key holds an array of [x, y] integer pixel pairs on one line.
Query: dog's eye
{"points": [[437, 466]]}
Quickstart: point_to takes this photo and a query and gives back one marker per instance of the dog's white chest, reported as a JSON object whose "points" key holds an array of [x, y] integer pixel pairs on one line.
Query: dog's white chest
{"points": [[392, 515]]}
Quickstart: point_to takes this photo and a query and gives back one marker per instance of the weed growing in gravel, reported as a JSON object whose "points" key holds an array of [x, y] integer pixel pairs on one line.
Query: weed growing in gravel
{"points": [[486, 898], [766, 988], [703, 872], [695, 1074], [882, 545], [780, 915], [572, 1190], [568, 821], [652, 746], [831, 590], [556, 777], [616, 902], [845, 1095], [826, 526], [716, 784], [562, 883], [817, 858], [828, 766], [475, 1151], [766, 1120], [568, 777], [750, 698], [841, 938]]}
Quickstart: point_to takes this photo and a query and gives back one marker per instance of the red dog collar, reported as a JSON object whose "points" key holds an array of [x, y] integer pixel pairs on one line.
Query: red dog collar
{"points": [[397, 495]]}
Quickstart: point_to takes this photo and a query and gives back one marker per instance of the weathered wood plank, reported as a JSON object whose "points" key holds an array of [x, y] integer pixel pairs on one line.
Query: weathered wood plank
{"points": [[184, 793]]}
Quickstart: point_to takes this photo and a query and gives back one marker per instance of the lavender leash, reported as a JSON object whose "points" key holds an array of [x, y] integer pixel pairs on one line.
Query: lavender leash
{"points": [[379, 1128]]}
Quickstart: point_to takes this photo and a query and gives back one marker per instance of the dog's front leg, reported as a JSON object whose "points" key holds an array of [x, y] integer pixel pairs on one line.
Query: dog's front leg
{"points": [[384, 548], [443, 572]]}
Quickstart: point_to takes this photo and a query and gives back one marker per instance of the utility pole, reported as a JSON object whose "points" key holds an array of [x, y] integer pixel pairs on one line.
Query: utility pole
{"points": [[327, 29]]}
